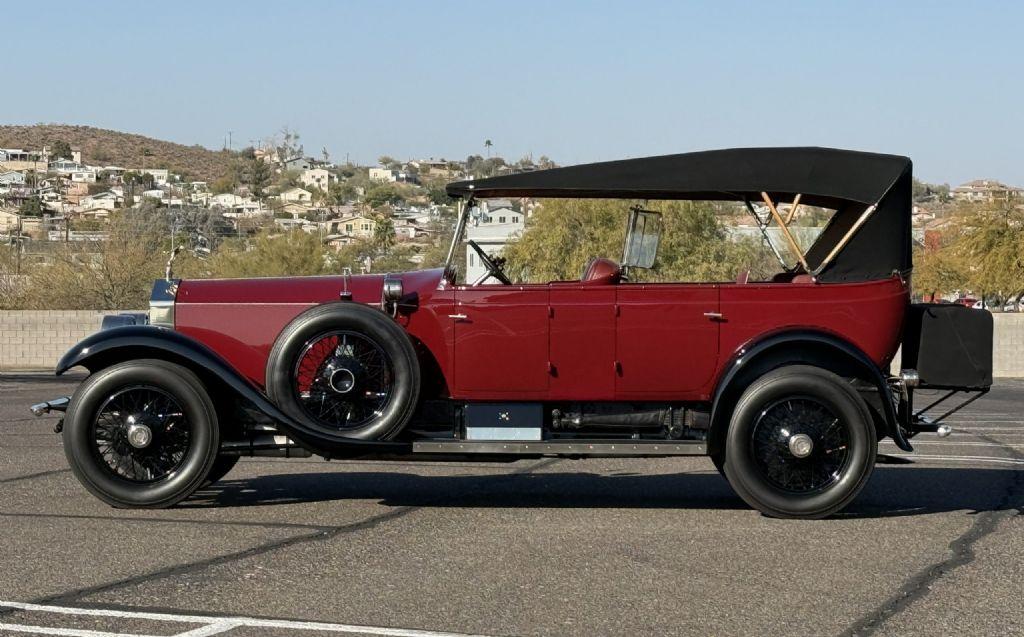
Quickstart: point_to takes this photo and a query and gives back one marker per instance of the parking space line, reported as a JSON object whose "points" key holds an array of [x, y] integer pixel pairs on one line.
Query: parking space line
{"points": [[65, 632], [992, 459], [212, 624]]}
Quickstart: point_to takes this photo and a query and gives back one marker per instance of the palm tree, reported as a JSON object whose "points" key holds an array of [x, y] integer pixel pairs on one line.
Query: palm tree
{"points": [[487, 146]]}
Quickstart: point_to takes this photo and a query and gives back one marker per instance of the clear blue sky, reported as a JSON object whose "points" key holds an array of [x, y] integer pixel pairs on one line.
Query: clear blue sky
{"points": [[578, 81]]}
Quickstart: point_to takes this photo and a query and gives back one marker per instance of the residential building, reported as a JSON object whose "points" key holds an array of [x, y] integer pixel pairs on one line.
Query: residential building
{"points": [[102, 200], [299, 163], [296, 195], [160, 175], [12, 178], [356, 226], [65, 166], [383, 174], [494, 222], [84, 176], [986, 190], [316, 178]]}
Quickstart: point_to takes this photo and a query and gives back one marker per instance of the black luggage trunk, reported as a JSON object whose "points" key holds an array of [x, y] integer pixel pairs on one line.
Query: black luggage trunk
{"points": [[950, 346]]}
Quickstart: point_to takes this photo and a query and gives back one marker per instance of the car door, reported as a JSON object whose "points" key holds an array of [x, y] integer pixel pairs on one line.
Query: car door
{"points": [[582, 342], [666, 340], [501, 342]]}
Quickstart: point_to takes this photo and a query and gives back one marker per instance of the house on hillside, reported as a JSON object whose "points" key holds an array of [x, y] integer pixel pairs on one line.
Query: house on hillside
{"points": [[986, 190], [316, 178], [355, 226], [298, 163], [101, 200], [493, 223], [65, 166], [85, 176], [296, 195], [12, 178], [160, 175]]}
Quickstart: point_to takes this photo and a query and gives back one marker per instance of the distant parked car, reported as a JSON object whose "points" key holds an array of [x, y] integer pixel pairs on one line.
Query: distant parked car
{"points": [[966, 301], [1013, 304]]}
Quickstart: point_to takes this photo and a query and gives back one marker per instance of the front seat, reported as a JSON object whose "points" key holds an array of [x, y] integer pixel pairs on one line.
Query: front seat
{"points": [[601, 271]]}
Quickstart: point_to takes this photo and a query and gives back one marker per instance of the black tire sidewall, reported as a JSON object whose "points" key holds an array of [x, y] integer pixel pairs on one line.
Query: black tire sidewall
{"points": [[361, 319], [823, 386], [97, 477]]}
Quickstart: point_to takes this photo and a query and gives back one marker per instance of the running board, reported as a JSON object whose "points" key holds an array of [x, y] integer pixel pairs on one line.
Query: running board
{"points": [[565, 447]]}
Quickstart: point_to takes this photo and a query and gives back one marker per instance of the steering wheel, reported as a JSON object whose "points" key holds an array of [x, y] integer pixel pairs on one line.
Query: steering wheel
{"points": [[493, 269]]}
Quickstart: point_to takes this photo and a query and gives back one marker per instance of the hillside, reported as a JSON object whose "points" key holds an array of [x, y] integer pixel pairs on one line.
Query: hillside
{"points": [[101, 146]]}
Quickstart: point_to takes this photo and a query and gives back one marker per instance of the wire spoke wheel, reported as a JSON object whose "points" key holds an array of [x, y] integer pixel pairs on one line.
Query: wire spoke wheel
{"points": [[141, 434], [800, 445], [343, 379]]}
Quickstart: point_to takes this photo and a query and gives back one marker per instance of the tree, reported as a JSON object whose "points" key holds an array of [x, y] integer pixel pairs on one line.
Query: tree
{"points": [[61, 150], [383, 234], [386, 161], [564, 234], [379, 194], [294, 253], [257, 176], [31, 207], [992, 245], [487, 146]]}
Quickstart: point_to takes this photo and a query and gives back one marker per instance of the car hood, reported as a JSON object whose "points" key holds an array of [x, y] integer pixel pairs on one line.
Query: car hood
{"points": [[365, 288]]}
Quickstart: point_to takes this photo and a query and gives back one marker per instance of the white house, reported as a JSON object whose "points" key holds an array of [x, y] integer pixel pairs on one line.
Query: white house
{"points": [[354, 226], [492, 225], [316, 178], [297, 195], [235, 205], [105, 200], [65, 166], [12, 178], [160, 175], [84, 176]]}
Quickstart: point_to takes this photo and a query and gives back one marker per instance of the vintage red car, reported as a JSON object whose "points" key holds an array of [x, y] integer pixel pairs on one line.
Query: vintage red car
{"points": [[783, 383]]}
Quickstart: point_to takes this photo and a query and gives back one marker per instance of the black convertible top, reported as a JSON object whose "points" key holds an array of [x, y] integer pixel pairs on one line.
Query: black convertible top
{"points": [[844, 180]]}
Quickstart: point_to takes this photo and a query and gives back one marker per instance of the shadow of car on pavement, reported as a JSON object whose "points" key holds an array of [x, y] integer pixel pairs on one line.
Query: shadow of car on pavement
{"points": [[892, 491]]}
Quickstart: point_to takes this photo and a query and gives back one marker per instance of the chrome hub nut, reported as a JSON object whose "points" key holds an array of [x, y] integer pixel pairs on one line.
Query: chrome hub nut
{"points": [[801, 445]]}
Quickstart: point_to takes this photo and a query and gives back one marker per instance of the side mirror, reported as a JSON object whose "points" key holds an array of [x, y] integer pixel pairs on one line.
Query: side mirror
{"points": [[642, 234]]}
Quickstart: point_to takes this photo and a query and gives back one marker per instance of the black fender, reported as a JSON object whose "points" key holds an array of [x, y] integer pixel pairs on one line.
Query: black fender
{"points": [[798, 347], [119, 344]]}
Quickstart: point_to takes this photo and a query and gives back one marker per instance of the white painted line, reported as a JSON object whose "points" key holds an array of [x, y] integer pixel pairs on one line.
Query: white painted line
{"points": [[65, 632], [206, 631], [953, 443], [916, 456], [226, 623]]}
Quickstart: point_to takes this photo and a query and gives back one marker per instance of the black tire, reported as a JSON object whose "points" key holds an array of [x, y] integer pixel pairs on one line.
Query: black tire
{"points": [[340, 415], [770, 474], [171, 401], [221, 467]]}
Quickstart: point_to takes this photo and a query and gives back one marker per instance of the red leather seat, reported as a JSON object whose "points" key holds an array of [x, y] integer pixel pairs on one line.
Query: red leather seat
{"points": [[601, 271]]}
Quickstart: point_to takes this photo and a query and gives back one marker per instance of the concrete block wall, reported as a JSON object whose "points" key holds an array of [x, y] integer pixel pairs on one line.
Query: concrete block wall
{"points": [[35, 340]]}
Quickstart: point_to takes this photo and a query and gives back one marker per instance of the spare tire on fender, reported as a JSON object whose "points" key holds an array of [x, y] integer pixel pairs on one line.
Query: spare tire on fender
{"points": [[347, 370]]}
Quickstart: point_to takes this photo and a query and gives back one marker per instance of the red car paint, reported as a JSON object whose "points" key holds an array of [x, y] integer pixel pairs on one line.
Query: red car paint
{"points": [[561, 340]]}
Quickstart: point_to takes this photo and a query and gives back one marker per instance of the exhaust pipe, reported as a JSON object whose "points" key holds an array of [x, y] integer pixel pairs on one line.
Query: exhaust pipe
{"points": [[265, 446]]}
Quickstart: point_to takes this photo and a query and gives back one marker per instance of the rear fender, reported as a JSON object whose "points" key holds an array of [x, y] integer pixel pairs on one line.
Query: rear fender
{"points": [[799, 347], [120, 344]]}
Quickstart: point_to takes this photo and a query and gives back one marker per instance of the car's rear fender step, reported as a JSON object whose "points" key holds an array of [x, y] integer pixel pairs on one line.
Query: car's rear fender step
{"points": [[595, 448]]}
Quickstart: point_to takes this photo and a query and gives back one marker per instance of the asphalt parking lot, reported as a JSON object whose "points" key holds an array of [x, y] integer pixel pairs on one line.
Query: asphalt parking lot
{"points": [[551, 547]]}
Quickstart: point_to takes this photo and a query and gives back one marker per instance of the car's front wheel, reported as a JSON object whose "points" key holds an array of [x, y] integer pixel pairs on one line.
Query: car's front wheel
{"points": [[801, 443], [141, 434]]}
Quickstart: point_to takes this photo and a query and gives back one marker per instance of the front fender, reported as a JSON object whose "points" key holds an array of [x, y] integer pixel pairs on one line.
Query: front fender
{"points": [[805, 346], [119, 344]]}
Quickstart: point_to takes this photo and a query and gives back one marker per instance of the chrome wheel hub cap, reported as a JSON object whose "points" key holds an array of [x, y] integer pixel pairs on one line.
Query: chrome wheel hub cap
{"points": [[801, 445], [139, 436], [342, 381]]}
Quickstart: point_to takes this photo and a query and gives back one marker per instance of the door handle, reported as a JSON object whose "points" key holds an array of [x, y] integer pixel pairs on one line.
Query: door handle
{"points": [[714, 316], [458, 317]]}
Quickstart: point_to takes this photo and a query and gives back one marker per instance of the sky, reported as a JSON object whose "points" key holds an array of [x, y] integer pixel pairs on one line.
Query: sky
{"points": [[942, 83]]}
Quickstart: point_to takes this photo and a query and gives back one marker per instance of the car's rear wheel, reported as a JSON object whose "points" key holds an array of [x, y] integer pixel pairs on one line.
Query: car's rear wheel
{"points": [[347, 371], [141, 434], [801, 444]]}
